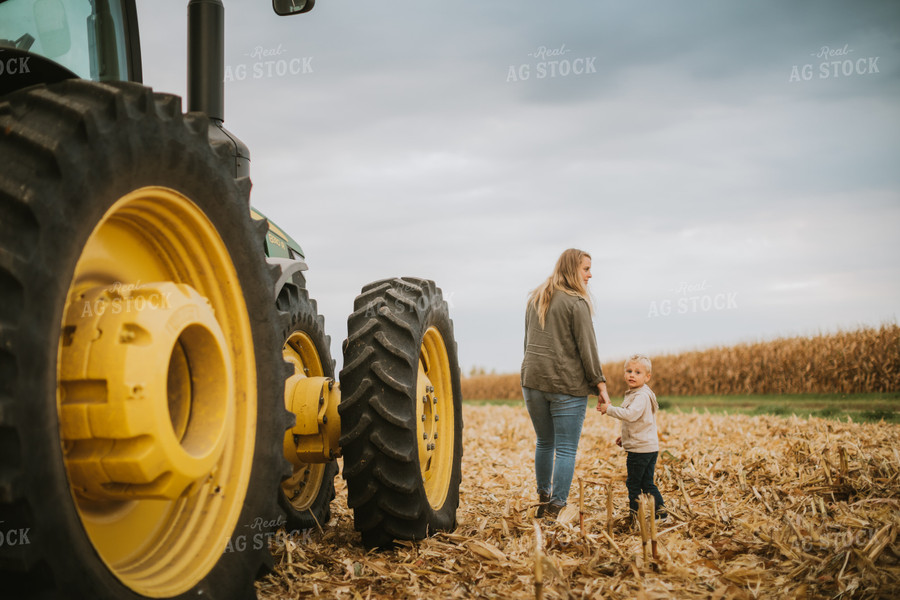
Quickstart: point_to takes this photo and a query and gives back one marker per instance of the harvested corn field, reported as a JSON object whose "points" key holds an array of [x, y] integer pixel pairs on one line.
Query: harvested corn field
{"points": [[760, 507]]}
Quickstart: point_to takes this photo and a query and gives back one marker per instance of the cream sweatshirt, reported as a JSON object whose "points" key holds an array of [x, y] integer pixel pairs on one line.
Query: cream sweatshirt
{"points": [[638, 416]]}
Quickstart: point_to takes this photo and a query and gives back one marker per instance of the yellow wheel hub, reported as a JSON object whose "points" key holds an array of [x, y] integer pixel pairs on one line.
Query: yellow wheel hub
{"points": [[434, 417], [314, 438], [157, 392], [125, 350]]}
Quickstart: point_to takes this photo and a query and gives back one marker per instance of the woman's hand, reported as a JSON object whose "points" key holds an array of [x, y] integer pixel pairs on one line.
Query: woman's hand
{"points": [[604, 401]]}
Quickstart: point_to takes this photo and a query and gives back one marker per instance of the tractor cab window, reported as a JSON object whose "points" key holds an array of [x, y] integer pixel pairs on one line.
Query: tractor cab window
{"points": [[87, 37]]}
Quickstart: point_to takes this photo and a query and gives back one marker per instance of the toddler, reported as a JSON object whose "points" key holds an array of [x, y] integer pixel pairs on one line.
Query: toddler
{"points": [[639, 436]]}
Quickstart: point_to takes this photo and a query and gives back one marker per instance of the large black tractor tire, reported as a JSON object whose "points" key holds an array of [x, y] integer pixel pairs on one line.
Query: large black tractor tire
{"points": [[108, 194], [307, 493], [401, 412]]}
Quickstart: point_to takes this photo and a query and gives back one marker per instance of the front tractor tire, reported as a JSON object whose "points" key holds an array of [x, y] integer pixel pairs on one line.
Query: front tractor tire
{"points": [[401, 413], [141, 403], [305, 494]]}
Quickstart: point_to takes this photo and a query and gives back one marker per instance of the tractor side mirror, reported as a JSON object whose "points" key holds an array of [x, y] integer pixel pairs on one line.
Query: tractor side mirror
{"points": [[292, 7]]}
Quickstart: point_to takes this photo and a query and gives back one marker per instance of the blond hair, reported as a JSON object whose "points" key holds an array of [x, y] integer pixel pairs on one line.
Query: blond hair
{"points": [[565, 278], [642, 359]]}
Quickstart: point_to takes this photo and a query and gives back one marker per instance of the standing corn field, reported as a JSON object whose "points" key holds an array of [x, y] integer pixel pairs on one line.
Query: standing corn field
{"points": [[865, 360]]}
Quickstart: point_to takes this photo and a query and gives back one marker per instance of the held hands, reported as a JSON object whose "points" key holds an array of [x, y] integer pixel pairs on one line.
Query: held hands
{"points": [[603, 402]]}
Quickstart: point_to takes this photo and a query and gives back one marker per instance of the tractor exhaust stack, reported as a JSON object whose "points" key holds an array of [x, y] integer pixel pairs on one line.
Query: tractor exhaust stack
{"points": [[206, 58]]}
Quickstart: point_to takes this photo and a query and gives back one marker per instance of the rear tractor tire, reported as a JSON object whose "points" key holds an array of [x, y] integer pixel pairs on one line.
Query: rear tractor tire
{"points": [[401, 413], [141, 403]]}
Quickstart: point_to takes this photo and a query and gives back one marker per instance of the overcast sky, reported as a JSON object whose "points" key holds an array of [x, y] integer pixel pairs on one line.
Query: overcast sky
{"points": [[732, 167]]}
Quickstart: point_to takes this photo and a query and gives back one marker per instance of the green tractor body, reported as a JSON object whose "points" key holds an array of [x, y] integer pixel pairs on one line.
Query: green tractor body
{"points": [[167, 393]]}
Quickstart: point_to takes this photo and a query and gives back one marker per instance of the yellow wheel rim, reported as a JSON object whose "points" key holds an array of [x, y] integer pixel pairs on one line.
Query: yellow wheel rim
{"points": [[158, 426], [435, 417], [302, 488]]}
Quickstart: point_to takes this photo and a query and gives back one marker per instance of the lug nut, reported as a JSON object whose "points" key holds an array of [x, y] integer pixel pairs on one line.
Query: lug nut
{"points": [[425, 436], [423, 418]]}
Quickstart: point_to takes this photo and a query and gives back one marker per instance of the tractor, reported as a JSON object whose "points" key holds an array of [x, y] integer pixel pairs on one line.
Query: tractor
{"points": [[168, 396]]}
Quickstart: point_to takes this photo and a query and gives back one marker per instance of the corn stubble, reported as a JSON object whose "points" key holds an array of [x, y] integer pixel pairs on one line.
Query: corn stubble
{"points": [[759, 507]]}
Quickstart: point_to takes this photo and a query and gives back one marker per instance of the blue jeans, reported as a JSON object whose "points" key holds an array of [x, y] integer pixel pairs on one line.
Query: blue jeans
{"points": [[641, 467], [557, 421]]}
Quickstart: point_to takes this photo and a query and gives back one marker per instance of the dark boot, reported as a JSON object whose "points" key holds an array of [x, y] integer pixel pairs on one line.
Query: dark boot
{"points": [[552, 511], [543, 498]]}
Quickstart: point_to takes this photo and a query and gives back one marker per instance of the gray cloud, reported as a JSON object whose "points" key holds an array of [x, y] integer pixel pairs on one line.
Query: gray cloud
{"points": [[682, 155]]}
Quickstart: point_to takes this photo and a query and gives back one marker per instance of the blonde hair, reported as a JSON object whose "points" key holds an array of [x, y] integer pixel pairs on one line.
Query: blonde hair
{"points": [[565, 278], [642, 359]]}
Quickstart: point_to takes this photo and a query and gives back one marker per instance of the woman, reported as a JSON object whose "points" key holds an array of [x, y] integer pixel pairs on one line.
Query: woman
{"points": [[560, 370]]}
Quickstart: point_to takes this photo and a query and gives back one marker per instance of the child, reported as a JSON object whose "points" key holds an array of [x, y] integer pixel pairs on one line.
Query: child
{"points": [[639, 437]]}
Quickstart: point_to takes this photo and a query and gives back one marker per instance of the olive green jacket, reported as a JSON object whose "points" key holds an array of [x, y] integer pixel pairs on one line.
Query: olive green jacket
{"points": [[561, 357]]}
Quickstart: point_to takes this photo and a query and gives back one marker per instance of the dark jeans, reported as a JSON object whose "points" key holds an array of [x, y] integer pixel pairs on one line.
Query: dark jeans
{"points": [[641, 467]]}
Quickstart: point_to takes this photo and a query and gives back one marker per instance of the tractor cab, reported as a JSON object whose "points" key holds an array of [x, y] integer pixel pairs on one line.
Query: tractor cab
{"points": [[47, 41]]}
